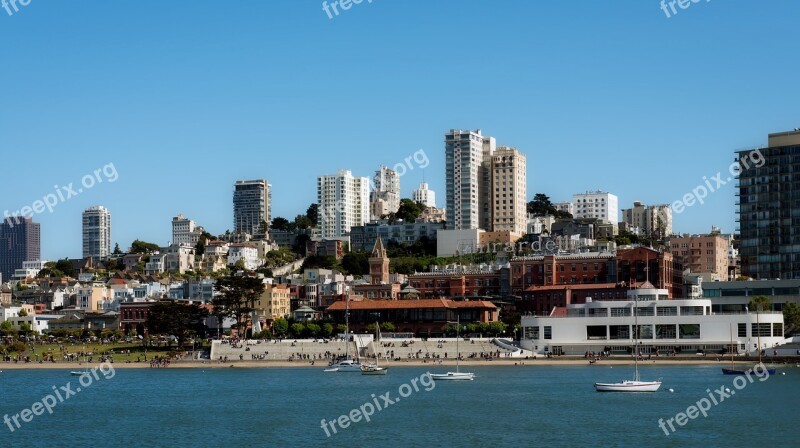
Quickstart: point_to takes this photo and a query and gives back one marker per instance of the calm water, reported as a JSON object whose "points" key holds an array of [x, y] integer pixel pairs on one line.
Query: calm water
{"points": [[504, 406]]}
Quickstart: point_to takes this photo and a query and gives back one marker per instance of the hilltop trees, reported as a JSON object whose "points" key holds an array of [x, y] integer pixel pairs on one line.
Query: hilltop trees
{"points": [[237, 298], [176, 319]]}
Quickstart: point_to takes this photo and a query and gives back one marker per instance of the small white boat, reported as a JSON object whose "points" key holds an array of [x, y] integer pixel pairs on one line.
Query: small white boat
{"points": [[345, 365], [628, 386], [78, 373], [372, 369], [452, 376]]}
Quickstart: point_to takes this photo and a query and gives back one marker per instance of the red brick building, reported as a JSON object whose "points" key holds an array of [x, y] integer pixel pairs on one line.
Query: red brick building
{"points": [[421, 317], [474, 283]]}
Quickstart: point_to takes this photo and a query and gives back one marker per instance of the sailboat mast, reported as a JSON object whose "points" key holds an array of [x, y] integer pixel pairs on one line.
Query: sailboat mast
{"points": [[636, 338]]}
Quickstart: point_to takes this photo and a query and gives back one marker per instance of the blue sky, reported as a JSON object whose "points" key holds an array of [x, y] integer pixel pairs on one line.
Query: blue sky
{"points": [[185, 97]]}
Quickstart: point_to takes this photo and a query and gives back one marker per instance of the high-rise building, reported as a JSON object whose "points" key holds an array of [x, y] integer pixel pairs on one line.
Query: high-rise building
{"points": [[252, 206], [96, 233], [20, 241], [508, 191], [424, 195], [385, 195], [343, 203], [769, 208], [468, 179], [596, 204], [649, 220]]}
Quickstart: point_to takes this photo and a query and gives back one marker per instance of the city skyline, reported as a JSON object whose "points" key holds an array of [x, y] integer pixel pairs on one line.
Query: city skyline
{"points": [[655, 117]]}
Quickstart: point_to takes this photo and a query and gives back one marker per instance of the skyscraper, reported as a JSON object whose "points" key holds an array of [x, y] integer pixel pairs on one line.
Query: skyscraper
{"points": [[20, 241], [343, 203], [385, 195], [468, 179], [509, 191], [252, 206], [424, 195], [769, 208], [96, 233]]}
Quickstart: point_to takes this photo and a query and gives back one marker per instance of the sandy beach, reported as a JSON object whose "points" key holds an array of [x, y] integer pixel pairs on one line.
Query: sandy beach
{"points": [[541, 362]]}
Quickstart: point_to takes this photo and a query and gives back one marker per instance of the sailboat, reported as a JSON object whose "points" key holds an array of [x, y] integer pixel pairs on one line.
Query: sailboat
{"points": [[374, 368], [347, 364], [733, 370], [86, 366], [457, 375], [636, 384]]}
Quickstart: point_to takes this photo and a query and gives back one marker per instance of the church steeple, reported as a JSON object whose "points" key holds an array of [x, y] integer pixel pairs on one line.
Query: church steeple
{"points": [[379, 264]]}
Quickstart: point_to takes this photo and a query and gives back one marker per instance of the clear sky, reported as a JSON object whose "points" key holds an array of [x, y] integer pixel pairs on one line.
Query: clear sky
{"points": [[185, 97]]}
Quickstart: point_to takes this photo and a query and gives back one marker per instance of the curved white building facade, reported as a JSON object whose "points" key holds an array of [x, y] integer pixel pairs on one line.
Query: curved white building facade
{"points": [[665, 327]]}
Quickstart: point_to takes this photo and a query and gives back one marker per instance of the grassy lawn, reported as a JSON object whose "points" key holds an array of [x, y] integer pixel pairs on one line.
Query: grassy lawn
{"points": [[96, 350]]}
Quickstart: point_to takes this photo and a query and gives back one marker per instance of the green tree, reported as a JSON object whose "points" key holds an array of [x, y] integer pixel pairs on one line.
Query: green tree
{"points": [[791, 318], [327, 330], [356, 263], [23, 313], [302, 222], [298, 330], [542, 206], [760, 304], [6, 328], [312, 213], [176, 319], [388, 327], [317, 262], [409, 210], [313, 329], [280, 223], [24, 328], [142, 247], [237, 298], [280, 327], [117, 250]]}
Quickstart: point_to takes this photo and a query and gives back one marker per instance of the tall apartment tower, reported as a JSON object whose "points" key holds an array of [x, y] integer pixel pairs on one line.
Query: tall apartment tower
{"points": [[509, 180], [385, 195], [769, 208], [96, 233], [596, 204], [650, 220], [252, 206], [20, 241], [424, 195], [468, 179], [343, 203]]}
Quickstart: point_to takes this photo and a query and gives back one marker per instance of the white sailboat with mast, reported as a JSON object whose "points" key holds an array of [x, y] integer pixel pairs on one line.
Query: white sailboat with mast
{"points": [[374, 368], [346, 364], [636, 384], [457, 375]]}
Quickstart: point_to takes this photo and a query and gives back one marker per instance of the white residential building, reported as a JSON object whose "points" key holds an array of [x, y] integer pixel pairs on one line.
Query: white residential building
{"points": [[385, 195], [180, 258], [565, 207], [185, 231], [424, 195], [96, 233], [245, 252], [156, 265], [596, 204], [343, 203], [467, 179], [30, 269], [649, 220]]}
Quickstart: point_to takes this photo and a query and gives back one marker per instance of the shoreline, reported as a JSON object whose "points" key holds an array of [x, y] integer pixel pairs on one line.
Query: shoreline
{"points": [[321, 364]]}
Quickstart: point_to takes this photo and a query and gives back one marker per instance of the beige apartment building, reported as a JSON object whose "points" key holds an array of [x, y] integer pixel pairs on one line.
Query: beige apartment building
{"points": [[274, 303], [509, 191], [702, 253]]}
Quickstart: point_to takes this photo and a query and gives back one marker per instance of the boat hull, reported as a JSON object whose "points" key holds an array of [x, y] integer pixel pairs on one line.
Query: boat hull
{"points": [[374, 370], [452, 376], [745, 372], [628, 386]]}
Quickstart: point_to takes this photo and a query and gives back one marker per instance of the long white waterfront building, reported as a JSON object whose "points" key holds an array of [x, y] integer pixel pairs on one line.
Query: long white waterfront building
{"points": [[665, 327]]}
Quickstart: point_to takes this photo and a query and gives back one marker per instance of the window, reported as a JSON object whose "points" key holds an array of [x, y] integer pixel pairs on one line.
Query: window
{"points": [[645, 332], [665, 332], [762, 330], [619, 331], [620, 312], [689, 331], [532, 333], [691, 311], [667, 311], [595, 332], [742, 330], [548, 332], [645, 311], [777, 330]]}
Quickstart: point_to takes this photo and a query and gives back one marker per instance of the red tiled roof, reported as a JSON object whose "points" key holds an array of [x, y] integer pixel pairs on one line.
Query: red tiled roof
{"points": [[409, 304]]}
